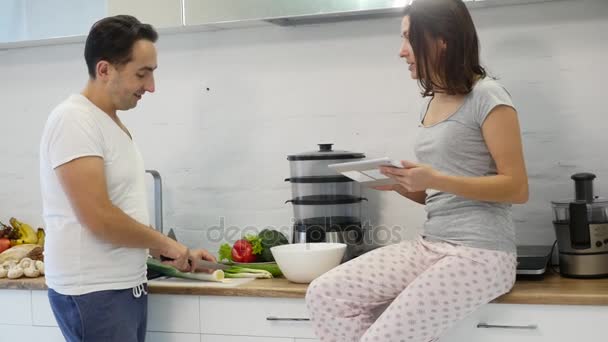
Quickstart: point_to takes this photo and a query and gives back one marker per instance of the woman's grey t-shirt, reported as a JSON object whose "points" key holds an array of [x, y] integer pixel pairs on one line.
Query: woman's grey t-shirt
{"points": [[456, 147]]}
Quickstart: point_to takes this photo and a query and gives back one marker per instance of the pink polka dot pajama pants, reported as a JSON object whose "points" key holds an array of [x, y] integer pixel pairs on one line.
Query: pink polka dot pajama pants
{"points": [[426, 286]]}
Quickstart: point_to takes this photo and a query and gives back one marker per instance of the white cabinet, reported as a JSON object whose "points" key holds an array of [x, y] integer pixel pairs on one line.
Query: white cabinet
{"points": [[173, 313], [12, 20], [247, 316], [172, 337], [42, 314], [23, 314], [60, 18], [214, 11], [30, 20], [224, 338], [531, 323], [159, 13], [188, 318], [26, 20], [23, 333], [16, 307]]}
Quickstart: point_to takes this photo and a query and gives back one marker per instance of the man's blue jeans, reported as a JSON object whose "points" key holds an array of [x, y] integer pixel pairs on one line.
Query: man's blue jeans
{"points": [[104, 316]]}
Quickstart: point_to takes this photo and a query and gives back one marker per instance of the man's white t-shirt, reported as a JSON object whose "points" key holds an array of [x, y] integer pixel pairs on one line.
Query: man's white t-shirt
{"points": [[77, 262]]}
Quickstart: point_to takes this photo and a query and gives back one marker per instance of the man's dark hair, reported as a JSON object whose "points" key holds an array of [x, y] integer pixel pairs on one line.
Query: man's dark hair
{"points": [[111, 39], [458, 68]]}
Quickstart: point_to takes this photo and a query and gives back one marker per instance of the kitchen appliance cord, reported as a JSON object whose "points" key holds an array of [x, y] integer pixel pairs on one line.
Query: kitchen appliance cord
{"points": [[551, 265]]}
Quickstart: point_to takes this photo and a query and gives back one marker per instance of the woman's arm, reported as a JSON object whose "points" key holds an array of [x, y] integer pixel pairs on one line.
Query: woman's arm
{"points": [[418, 196], [502, 136]]}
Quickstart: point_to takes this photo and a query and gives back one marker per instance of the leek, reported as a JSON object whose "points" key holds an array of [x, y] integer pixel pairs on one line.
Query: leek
{"points": [[272, 268], [168, 270], [245, 272]]}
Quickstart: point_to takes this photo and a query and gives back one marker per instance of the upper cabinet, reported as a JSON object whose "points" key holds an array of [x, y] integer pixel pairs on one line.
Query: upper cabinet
{"points": [[37, 22], [60, 18], [159, 13], [12, 23], [200, 12], [23, 21]]}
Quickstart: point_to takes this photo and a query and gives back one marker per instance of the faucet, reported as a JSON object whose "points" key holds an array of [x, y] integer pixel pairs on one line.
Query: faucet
{"points": [[158, 200]]}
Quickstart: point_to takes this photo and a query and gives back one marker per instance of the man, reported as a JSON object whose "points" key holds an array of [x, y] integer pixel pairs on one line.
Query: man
{"points": [[94, 196]]}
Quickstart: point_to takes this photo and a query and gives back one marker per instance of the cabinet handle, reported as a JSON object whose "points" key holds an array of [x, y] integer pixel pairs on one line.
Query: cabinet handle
{"points": [[497, 326], [272, 318]]}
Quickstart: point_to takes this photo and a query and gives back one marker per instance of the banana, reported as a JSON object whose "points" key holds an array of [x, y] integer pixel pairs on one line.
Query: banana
{"points": [[28, 235], [40, 235]]}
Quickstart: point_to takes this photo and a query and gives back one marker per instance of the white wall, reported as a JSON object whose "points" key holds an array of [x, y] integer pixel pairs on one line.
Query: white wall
{"points": [[280, 90]]}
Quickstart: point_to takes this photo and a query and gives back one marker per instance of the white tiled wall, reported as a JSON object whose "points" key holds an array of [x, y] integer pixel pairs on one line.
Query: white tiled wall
{"points": [[274, 91]]}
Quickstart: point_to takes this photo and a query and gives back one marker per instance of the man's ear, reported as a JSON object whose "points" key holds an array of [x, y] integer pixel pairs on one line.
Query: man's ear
{"points": [[103, 69]]}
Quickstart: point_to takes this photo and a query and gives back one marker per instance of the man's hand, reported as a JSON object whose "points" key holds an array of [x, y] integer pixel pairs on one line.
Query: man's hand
{"points": [[179, 254], [201, 254]]}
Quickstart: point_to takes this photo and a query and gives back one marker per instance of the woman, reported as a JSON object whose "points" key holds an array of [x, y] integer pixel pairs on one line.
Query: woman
{"points": [[471, 169]]}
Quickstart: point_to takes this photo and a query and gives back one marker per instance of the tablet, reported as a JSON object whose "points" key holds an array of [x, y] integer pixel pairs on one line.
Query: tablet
{"points": [[367, 172]]}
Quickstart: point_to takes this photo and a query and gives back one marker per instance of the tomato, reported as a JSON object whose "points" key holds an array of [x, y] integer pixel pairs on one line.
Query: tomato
{"points": [[4, 244], [242, 251]]}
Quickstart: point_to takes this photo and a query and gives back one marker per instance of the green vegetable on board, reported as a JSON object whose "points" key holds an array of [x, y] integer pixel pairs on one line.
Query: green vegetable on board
{"points": [[168, 270]]}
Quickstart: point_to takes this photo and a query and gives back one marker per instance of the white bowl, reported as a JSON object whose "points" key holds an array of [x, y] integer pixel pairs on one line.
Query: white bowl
{"points": [[303, 262]]}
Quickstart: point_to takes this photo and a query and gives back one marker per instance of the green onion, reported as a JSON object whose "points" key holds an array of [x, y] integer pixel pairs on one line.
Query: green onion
{"points": [[273, 268], [244, 272], [168, 270]]}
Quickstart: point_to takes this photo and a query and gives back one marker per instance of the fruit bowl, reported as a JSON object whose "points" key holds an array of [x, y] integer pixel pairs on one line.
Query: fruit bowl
{"points": [[303, 262]]}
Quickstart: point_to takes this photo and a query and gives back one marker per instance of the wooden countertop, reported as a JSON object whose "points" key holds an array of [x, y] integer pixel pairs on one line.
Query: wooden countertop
{"points": [[23, 283], [553, 289], [277, 287]]}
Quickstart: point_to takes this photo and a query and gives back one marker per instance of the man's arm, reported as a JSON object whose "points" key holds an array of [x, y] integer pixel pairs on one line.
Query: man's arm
{"points": [[83, 181]]}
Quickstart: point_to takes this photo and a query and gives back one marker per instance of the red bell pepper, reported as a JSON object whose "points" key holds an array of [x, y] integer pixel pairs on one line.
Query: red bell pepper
{"points": [[242, 251]]}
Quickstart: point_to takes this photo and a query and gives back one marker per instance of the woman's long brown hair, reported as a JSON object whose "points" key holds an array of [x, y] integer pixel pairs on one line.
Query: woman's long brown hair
{"points": [[455, 69]]}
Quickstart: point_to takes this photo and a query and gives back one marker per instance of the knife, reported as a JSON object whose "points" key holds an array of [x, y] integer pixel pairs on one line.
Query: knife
{"points": [[200, 264], [171, 235], [205, 264]]}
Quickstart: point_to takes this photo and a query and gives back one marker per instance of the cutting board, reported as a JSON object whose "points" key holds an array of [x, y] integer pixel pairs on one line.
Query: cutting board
{"points": [[190, 283]]}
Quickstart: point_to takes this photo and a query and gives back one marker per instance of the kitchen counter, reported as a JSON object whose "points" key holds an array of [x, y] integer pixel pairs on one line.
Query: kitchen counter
{"points": [[553, 289], [23, 283]]}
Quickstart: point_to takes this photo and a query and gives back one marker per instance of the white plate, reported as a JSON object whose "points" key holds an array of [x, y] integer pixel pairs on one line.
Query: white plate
{"points": [[367, 171]]}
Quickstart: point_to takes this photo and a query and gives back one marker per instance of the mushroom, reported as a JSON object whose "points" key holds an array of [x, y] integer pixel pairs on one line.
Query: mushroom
{"points": [[40, 266], [15, 272], [3, 272], [25, 263], [31, 271], [9, 263]]}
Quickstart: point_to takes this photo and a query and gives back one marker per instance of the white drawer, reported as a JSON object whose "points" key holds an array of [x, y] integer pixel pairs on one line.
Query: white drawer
{"points": [[226, 338], [531, 323], [42, 314], [22, 333], [172, 337], [173, 313], [248, 316], [16, 307]]}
